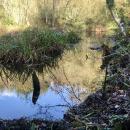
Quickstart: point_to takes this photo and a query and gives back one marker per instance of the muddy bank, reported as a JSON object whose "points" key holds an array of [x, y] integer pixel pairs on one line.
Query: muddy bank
{"points": [[97, 112]]}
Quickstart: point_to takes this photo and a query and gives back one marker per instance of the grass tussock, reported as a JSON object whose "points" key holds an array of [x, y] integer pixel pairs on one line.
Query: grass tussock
{"points": [[34, 46]]}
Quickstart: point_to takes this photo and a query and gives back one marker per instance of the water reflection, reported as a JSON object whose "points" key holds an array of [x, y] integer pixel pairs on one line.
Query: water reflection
{"points": [[51, 104], [36, 87], [50, 94], [77, 69]]}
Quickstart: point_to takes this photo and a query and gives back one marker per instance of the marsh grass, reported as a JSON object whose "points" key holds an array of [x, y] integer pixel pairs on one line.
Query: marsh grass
{"points": [[33, 48]]}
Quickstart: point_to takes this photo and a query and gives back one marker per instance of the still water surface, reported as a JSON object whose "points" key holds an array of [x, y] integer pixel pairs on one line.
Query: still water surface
{"points": [[51, 104], [68, 84]]}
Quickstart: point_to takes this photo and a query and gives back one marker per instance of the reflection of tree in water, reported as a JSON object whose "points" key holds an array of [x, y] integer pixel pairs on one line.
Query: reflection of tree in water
{"points": [[36, 87]]}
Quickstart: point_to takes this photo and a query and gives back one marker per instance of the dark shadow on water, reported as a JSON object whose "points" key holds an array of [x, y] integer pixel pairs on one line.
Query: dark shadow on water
{"points": [[36, 88]]}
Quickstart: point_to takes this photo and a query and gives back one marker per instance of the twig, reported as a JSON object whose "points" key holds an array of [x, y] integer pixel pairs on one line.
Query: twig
{"points": [[70, 85]]}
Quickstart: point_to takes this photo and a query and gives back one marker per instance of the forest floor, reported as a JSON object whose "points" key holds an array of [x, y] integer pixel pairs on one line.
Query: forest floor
{"points": [[98, 112]]}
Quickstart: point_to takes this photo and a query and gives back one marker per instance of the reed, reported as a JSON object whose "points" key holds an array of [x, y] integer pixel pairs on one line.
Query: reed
{"points": [[34, 48]]}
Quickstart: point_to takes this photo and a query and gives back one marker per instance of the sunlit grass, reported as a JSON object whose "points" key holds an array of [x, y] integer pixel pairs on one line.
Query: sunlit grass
{"points": [[34, 45]]}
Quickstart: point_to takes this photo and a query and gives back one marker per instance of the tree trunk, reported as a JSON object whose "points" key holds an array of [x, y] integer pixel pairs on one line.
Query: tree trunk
{"points": [[119, 22]]}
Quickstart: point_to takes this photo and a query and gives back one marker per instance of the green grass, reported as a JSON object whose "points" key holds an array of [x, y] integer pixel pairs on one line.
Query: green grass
{"points": [[34, 46]]}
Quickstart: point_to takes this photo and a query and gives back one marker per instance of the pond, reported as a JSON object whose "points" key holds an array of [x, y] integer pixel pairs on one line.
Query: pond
{"points": [[77, 75]]}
